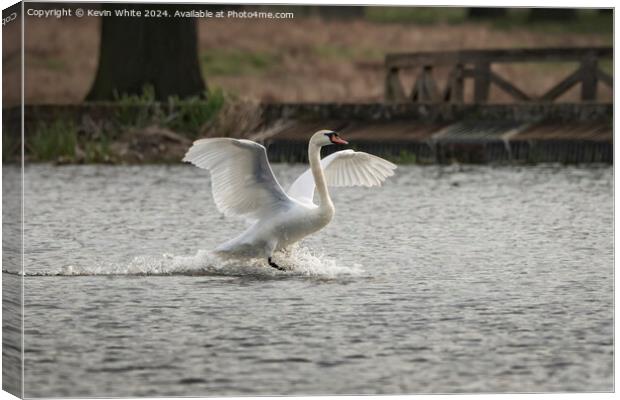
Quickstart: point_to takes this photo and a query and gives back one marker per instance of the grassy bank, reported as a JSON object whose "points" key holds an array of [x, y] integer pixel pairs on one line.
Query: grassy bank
{"points": [[138, 128], [143, 131]]}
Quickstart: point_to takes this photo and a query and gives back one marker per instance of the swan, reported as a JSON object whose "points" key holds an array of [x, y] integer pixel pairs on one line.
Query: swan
{"points": [[243, 185]]}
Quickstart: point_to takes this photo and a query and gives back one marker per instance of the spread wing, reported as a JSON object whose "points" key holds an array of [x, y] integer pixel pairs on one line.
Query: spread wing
{"points": [[344, 168], [242, 181]]}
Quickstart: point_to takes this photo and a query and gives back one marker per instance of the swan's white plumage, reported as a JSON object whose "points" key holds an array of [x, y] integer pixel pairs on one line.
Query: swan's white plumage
{"points": [[242, 181], [243, 184], [344, 168]]}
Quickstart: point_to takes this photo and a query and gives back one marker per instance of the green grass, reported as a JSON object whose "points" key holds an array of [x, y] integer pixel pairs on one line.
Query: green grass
{"points": [[55, 64], [183, 115], [331, 52], [135, 110], [586, 20], [416, 15], [190, 115], [97, 151], [51, 142], [218, 62], [58, 141], [49, 63], [406, 157]]}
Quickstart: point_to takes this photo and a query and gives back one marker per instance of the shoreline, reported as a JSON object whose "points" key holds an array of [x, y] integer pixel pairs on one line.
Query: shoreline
{"points": [[418, 133]]}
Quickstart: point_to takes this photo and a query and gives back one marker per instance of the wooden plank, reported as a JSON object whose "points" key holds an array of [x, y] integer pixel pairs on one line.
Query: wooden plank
{"points": [[454, 92], [394, 92], [482, 82], [605, 78], [589, 78], [563, 86], [412, 60], [509, 87]]}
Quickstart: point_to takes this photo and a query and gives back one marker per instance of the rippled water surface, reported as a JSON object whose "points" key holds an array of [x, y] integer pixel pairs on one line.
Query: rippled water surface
{"points": [[447, 279]]}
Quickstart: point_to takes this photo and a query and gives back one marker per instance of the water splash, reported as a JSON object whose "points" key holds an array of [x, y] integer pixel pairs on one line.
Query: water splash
{"points": [[298, 261]]}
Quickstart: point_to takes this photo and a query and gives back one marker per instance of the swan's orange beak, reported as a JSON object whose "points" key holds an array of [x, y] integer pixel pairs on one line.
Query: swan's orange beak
{"points": [[336, 139]]}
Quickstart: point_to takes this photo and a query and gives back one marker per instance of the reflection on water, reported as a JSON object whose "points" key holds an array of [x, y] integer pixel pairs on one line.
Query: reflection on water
{"points": [[447, 279]]}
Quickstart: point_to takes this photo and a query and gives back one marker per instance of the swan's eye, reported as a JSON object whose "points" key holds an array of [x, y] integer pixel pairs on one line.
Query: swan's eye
{"points": [[331, 135]]}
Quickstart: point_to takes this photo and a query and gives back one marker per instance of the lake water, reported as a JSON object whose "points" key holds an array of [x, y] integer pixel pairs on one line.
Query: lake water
{"points": [[447, 279]]}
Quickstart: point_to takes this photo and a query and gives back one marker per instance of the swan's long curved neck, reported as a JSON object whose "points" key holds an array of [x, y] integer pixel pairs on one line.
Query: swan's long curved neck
{"points": [[314, 157]]}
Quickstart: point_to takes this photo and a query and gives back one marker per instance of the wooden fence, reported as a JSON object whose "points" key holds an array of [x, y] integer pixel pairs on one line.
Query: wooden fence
{"points": [[476, 65]]}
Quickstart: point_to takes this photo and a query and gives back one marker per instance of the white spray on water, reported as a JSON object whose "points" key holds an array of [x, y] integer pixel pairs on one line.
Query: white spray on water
{"points": [[299, 261]]}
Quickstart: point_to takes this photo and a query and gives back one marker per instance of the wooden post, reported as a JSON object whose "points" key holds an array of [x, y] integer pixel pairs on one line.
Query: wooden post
{"points": [[482, 82], [589, 77], [394, 92], [425, 89], [431, 89], [454, 88]]}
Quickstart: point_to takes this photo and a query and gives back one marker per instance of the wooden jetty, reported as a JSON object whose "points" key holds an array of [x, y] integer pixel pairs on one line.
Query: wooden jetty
{"points": [[430, 124], [446, 133]]}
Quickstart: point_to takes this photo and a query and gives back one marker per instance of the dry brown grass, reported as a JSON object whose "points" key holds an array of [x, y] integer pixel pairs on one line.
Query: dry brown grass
{"points": [[237, 118], [316, 60]]}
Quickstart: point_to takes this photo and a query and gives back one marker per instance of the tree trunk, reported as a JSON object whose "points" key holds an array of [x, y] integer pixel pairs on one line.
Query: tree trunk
{"points": [[140, 51], [483, 12]]}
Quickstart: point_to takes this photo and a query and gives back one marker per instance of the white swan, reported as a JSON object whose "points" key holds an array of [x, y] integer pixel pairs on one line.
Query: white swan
{"points": [[243, 185]]}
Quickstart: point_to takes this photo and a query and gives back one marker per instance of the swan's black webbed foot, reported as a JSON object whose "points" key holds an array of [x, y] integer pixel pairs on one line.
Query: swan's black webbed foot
{"points": [[274, 265]]}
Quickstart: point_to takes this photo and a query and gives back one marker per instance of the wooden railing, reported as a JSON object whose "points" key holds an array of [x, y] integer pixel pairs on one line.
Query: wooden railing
{"points": [[476, 64]]}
